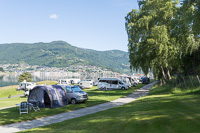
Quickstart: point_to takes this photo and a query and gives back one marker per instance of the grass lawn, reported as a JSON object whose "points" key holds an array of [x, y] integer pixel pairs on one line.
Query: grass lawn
{"points": [[166, 109], [12, 101], [12, 115], [11, 90], [5, 91]]}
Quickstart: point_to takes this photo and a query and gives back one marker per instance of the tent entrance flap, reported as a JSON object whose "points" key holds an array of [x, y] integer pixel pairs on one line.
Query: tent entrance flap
{"points": [[47, 102]]}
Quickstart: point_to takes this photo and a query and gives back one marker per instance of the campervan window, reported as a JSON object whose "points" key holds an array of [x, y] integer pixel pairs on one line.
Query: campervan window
{"points": [[63, 82], [102, 81], [120, 82], [115, 82]]}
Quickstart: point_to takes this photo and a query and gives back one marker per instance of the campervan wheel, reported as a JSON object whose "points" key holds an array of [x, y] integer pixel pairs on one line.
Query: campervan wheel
{"points": [[123, 88]]}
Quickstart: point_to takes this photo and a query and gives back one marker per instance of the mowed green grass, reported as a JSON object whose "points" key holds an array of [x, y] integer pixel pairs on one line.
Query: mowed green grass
{"points": [[96, 96], [11, 90], [166, 109], [12, 101]]}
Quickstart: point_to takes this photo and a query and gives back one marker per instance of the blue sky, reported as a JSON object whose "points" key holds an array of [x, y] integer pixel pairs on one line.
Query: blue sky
{"points": [[93, 24]]}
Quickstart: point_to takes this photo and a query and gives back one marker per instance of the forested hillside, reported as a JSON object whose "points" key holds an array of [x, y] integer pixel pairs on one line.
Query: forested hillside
{"points": [[61, 54]]}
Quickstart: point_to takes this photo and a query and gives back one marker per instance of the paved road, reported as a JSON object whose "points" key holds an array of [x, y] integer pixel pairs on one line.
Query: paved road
{"points": [[16, 127]]}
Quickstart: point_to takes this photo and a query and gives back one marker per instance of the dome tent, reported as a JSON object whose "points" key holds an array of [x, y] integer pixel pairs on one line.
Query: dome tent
{"points": [[48, 96]]}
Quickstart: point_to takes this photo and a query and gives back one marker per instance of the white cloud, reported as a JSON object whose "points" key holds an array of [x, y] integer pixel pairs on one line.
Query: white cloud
{"points": [[53, 16]]}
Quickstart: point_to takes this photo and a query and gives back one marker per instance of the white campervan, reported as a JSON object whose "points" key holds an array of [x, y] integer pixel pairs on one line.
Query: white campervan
{"points": [[112, 83], [75, 81], [68, 81], [86, 83], [126, 80], [26, 85], [64, 81]]}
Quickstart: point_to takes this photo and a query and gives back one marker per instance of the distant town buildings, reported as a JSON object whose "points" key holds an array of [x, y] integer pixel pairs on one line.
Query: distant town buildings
{"points": [[80, 69]]}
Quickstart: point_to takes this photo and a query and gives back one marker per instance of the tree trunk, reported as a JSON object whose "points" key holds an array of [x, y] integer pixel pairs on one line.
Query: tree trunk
{"points": [[194, 64], [168, 74], [161, 83], [163, 72]]}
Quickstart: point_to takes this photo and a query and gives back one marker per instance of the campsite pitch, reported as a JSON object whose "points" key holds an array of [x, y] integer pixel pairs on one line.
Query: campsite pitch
{"points": [[11, 115], [77, 113]]}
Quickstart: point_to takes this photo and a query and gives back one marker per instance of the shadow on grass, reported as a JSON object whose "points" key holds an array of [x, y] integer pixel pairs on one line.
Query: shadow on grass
{"points": [[12, 115], [153, 114], [95, 97]]}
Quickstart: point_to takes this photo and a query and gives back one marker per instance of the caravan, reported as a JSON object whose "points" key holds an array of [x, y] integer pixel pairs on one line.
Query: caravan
{"points": [[111, 83], [86, 84]]}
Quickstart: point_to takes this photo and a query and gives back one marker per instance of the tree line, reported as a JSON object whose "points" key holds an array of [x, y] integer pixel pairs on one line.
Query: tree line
{"points": [[164, 37]]}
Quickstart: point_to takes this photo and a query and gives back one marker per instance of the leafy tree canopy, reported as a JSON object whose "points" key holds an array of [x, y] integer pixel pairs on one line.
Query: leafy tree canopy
{"points": [[161, 34], [25, 76]]}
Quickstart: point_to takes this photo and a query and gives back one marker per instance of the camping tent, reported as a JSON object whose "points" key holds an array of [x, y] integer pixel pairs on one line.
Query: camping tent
{"points": [[48, 96]]}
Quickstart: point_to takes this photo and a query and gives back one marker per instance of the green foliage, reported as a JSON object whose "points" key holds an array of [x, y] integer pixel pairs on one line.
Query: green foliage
{"points": [[1, 69], [62, 54], [161, 36], [25, 76], [9, 96]]}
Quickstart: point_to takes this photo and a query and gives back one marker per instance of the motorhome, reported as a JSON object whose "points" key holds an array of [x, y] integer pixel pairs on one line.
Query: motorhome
{"points": [[76, 81], [111, 83], [68, 81], [126, 80], [86, 83], [26, 85]]}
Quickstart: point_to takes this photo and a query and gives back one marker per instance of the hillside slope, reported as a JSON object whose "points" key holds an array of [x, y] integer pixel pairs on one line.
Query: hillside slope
{"points": [[61, 54]]}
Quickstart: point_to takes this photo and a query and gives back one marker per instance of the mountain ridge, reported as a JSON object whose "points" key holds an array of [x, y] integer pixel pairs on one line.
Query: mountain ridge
{"points": [[61, 54]]}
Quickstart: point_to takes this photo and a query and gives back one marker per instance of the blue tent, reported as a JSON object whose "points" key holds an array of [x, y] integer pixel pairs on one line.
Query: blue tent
{"points": [[48, 96]]}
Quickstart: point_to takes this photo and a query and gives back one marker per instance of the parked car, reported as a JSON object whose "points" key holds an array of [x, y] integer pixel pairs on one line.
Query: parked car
{"points": [[145, 80], [75, 94]]}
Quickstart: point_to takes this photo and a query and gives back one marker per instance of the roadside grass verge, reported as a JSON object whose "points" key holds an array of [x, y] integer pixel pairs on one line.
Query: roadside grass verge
{"points": [[96, 96], [167, 109]]}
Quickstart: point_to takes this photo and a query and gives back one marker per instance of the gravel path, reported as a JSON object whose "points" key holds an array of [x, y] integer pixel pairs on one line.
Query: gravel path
{"points": [[12, 96], [16, 127]]}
